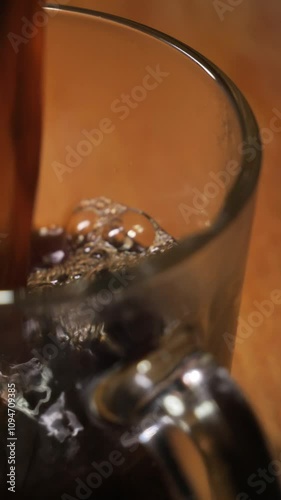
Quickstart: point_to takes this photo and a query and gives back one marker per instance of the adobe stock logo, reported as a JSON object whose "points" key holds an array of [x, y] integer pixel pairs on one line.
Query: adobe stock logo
{"points": [[217, 182], [94, 480], [260, 480], [126, 104], [222, 7], [262, 311], [30, 27], [84, 489]]}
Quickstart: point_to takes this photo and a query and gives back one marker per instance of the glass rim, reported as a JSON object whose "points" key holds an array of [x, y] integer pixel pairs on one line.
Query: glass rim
{"points": [[238, 196]]}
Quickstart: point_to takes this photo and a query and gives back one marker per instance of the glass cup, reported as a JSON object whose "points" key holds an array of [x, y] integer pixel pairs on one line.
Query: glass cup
{"points": [[148, 407]]}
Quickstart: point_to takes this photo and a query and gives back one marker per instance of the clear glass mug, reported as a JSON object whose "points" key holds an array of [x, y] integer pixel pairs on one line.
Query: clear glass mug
{"points": [[136, 116]]}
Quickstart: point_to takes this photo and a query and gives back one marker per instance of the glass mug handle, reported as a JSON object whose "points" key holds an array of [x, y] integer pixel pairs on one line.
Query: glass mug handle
{"points": [[201, 430]]}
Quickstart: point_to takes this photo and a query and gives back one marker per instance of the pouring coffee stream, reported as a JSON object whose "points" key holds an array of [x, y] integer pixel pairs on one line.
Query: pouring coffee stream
{"points": [[20, 133]]}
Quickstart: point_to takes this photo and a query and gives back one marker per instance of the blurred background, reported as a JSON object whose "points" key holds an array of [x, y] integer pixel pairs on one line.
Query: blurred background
{"points": [[245, 41]]}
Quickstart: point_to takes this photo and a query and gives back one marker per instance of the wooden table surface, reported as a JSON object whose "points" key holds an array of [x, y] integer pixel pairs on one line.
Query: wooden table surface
{"points": [[245, 41]]}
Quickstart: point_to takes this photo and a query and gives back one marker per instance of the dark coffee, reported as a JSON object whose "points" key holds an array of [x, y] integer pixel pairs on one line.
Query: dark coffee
{"points": [[61, 454]]}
